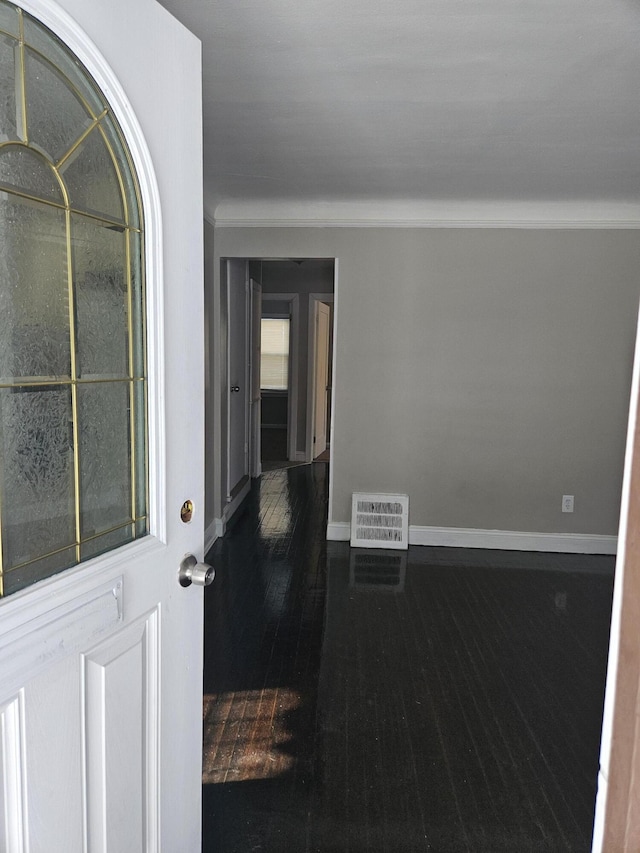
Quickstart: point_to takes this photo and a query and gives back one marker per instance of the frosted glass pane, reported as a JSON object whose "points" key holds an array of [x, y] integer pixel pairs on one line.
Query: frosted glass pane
{"points": [[50, 46], [105, 460], [36, 440], [8, 19], [114, 140], [27, 172], [57, 266], [8, 100], [92, 180], [106, 542], [55, 116], [24, 576], [34, 309], [99, 274]]}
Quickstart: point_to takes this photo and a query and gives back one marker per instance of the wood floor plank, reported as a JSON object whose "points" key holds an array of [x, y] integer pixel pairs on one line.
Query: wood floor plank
{"points": [[438, 700]]}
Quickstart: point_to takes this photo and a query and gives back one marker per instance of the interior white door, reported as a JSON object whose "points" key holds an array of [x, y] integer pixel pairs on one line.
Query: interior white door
{"points": [[101, 665], [238, 382], [321, 376]]}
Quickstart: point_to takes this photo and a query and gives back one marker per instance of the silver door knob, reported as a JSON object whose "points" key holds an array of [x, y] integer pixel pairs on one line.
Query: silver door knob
{"points": [[235, 387], [191, 571]]}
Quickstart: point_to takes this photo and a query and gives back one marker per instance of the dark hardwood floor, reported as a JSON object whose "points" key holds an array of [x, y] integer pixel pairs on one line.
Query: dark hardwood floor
{"points": [[363, 701]]}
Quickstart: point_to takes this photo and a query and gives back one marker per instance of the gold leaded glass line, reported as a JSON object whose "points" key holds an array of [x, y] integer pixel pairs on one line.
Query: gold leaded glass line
{"points": [[22, 88], [80, 140], [36, 381], [87, 539], [95, 529], [96, 117], [74, 387], [113, 223]]}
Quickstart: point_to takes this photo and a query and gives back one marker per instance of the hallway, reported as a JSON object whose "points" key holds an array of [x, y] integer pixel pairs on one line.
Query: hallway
{"points": [[368, 701]]}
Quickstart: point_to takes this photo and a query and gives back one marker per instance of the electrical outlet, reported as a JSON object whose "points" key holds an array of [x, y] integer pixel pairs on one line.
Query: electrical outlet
{"points": [[567, 503]]}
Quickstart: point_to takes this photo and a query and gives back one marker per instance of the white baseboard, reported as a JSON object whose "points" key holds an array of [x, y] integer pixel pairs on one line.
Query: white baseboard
{"points": [[299, 456], [503, 540], [219, 525], [513, 540], [338, 531]]}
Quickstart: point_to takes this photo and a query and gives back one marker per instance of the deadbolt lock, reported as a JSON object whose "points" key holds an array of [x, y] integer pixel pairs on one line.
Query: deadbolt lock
{"points": [[186, 512]]}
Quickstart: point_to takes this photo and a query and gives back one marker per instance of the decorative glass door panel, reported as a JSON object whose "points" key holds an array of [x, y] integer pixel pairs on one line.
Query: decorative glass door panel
{"points": [[73, 480]]}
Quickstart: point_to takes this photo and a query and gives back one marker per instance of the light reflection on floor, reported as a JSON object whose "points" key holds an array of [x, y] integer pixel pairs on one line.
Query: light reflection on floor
{"points": [[247, 734]]}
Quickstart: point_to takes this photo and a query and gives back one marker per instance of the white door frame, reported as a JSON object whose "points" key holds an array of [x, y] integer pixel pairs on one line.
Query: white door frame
{"points": [[234, 495], [616, 810], [292, 397], [255, 415], [314, 298]]}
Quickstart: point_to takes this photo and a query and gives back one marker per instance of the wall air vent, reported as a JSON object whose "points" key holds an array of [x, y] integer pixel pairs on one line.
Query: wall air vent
{"points": [[379, 521]]}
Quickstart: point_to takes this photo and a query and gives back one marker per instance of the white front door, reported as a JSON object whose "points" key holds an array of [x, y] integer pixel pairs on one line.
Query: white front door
{"points": [[101, 665]]}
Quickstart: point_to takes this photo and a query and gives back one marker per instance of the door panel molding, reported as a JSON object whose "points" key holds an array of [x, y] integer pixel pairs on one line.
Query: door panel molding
{"points": [[112, 792], [13, 817], [67, 629]]}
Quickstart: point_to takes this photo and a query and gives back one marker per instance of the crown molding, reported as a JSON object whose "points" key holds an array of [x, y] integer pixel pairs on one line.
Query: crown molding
{"points": [[536, 224], [434, 214], [209, 212]]}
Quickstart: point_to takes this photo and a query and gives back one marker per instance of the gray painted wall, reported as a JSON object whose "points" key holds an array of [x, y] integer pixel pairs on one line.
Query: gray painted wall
{"points": [[485, 372]]}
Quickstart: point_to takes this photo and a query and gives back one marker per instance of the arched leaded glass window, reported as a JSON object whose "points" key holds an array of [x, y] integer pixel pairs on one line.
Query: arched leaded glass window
{"points": [[72, 366]]}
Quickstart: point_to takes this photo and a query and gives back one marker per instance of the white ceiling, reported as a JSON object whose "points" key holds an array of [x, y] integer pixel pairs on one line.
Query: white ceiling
{"points": [[444, 104]]}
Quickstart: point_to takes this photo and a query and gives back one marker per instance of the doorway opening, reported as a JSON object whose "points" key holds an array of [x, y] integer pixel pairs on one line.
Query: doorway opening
{"points": [[280, 342], [295, 421], [279, 348], [275, 385]]}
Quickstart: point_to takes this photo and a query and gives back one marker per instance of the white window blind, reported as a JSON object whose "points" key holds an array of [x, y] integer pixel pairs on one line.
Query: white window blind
{"points": [[274, 354]]}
